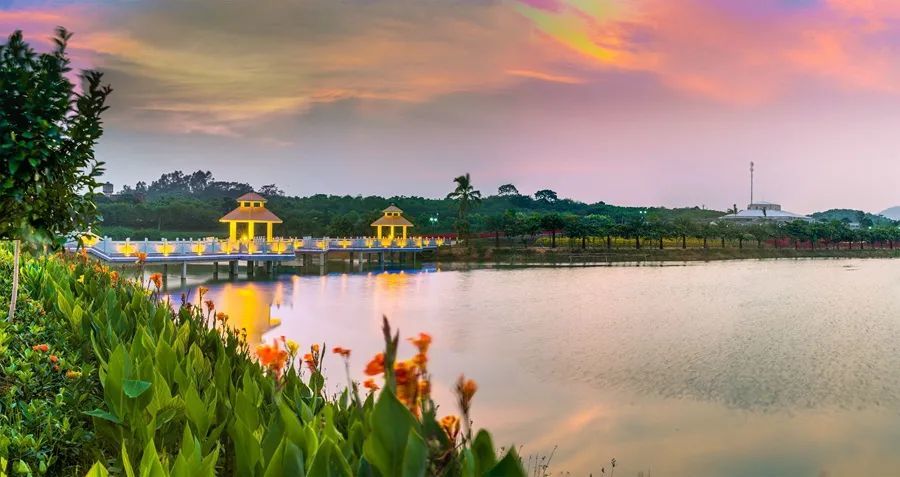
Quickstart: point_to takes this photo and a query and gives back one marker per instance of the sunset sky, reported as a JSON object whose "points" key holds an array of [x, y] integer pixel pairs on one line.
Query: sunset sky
{"points": [[644, 102]]}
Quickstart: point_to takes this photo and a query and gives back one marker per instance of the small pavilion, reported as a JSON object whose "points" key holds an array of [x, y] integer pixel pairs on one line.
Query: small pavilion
{"points": [[391, 219], [251, 210]]}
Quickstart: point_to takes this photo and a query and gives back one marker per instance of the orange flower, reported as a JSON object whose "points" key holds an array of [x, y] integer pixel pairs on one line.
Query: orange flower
{"points": [[450, 425], [310, 361], [315, 349], [54, 358], [273, 357], [423, 341], [407, 379], [376, 366], [344, 352], [156, 279], [221, 316], [141, 258], [210, 306], [202, 291], [73, 374], [466, 389], [370, 385], [420, 359], [56, 367], [41, 347], [114, 276]]}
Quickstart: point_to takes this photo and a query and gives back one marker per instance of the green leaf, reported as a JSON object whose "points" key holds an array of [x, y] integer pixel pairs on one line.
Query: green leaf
{"points": [[97, 470], [483, 450], [415, 458], [150, 464], [329, 462], [391, 424], [100, 413], [510, 466], [134, 388]]}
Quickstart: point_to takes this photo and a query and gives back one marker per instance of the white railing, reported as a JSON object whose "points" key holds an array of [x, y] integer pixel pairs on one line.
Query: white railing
{"points": [[259, 245]]}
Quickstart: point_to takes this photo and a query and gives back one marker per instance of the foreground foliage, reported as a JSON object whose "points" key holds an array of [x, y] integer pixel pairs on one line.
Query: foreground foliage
{"points": [[142, 388]]}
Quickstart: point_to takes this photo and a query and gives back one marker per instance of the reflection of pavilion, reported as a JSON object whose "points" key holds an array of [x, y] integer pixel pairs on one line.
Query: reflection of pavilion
{"points": [[249, 305]]}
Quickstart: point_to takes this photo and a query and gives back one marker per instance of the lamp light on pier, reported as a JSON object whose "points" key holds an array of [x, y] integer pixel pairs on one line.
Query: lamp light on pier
{"points": [[165, 248]]}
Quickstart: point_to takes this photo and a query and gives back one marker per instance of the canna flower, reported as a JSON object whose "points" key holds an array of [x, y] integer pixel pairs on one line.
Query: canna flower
{"points": [[424, 388], [210, 306], [315, 349], [41, 347], [450, 425], [272, 357], [221, 316], [466, 389], [370, 385], [420, 359], [54, 358], [406, 375], [141, 258], [114, 276], [55, 367], [73, 374], [200, 292], [376, 366], [423, 341], [312, 361], [292, 347], [344, 352], [156, 279]]}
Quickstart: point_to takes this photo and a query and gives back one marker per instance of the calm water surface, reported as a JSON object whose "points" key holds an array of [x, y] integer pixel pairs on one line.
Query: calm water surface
{"points": [[745, 368]]}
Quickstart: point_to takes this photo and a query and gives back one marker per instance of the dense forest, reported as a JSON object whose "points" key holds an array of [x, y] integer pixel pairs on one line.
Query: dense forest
{"points": [[193, 203]]}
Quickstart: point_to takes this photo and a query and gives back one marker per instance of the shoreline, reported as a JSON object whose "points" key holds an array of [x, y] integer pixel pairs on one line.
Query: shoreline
{"points": [[556, 257]]}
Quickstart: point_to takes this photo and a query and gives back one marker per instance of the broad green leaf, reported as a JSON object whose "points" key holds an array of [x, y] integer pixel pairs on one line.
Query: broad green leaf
{"points": [[100, 413], [150, 464], [134, 388], [509, 466], [415, 458], [483, 450], [97, 470], [329, 462], [391, 424]]}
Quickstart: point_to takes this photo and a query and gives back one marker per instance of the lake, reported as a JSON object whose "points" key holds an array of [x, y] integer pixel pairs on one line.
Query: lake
{"points": [[738, 368]]}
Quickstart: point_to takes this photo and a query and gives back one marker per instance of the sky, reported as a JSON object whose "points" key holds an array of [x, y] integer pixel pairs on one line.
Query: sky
{"points": [[638, 102]]}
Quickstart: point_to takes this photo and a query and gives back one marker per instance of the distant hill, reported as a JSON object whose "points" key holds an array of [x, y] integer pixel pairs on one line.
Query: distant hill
{"points": [[893, 213], [850, 215]]}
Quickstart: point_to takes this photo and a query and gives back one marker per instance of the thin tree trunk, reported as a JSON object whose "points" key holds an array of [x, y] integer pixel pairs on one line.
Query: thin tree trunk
{"points": [[705, 243], [15, 282], [684, 241], [609, 242], [637, 243], [553, 239], [660, 243], [497, 238], [583, 243]]}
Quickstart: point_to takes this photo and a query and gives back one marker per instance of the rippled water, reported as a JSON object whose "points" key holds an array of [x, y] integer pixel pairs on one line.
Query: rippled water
{"points": [[746, 368]]}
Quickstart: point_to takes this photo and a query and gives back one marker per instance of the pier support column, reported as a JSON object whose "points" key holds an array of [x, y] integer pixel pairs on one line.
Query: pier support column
{"points": [[183, 272], [322, 261], [232, 269], [269, 268], [250, 268], [165, 275], [215, 270]]}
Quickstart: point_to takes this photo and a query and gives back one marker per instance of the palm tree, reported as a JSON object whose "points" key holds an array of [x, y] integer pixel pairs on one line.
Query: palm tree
{"points": [[466, 195]]}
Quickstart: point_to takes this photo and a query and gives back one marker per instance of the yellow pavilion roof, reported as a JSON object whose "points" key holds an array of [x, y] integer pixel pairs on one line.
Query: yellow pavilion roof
{"points": [[248, 214], [395, 220], [251, 196], [392, 208]]}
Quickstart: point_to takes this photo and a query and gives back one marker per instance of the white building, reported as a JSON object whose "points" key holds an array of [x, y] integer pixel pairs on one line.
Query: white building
{"points": [[764, 212]]}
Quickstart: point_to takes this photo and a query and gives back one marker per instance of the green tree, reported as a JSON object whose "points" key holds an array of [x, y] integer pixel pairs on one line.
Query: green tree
{"points": [[577, 227], [554, 223], [682, 227], [466, 197], [494, 223], [48, 130], [507, 189], [601, 225], [546, 196]]}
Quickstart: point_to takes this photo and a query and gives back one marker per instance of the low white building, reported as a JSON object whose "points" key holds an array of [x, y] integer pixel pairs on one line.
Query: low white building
{"points": [[764, 212]]}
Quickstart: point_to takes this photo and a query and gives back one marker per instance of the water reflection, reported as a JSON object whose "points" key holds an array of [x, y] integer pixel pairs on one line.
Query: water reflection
{"points": [[734, 368]]}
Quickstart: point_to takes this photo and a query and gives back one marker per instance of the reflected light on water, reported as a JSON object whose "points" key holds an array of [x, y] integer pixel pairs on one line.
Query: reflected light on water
{"points": [[752, 368]]}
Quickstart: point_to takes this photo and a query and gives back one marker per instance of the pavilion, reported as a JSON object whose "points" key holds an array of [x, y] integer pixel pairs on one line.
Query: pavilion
{"points": [[391, 219], [251, 210]]}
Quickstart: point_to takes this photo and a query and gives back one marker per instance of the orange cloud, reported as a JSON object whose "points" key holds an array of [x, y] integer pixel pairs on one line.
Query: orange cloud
{"points": [[538, 75]]}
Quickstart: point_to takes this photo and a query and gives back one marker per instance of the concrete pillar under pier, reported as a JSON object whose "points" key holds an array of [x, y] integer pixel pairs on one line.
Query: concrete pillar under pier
{"points": [[322, 263], [183, 271], [215, 270], [269, 267], [250, 268], [232, 269], [165, 275]]}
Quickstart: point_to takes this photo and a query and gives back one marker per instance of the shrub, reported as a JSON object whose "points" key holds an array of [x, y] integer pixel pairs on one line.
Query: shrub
{"points": [[176, 391]]}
